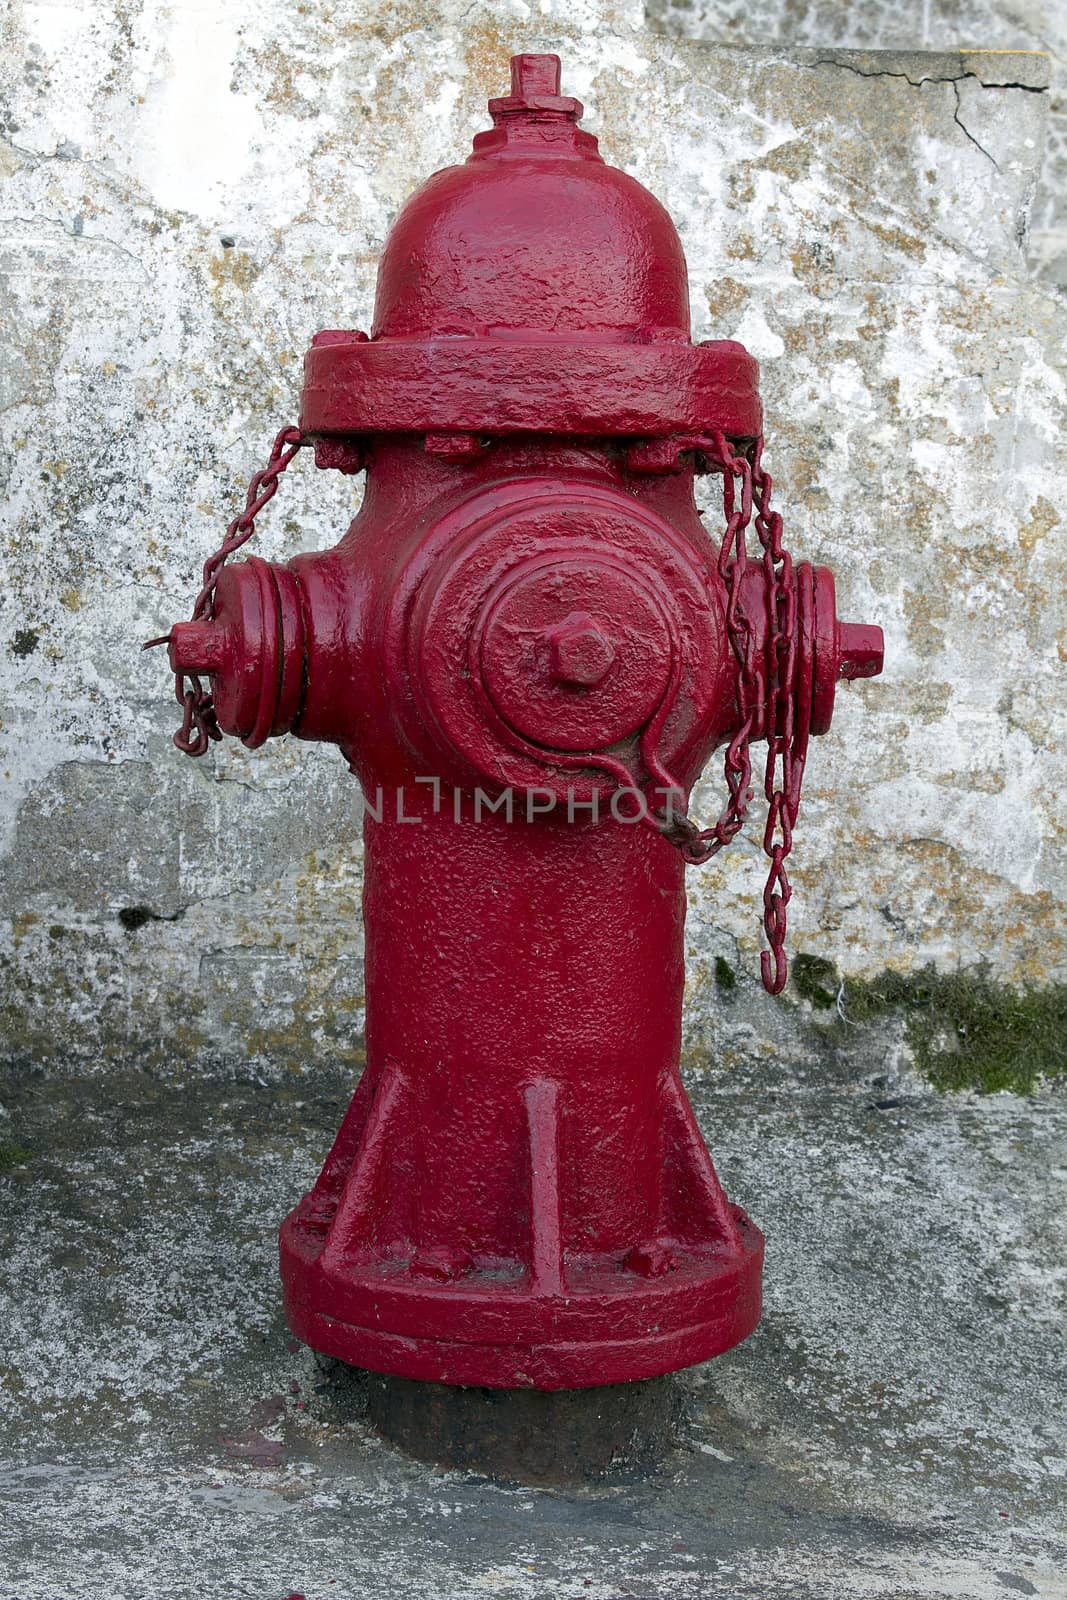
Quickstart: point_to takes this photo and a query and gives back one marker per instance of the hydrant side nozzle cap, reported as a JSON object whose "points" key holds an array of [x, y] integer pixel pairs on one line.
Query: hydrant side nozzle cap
{"points": [[843, 650], [860, 650]]}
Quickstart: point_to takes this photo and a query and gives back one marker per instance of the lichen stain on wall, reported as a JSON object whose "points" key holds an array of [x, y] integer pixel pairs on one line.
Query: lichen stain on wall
{"points": [[190, 195]]}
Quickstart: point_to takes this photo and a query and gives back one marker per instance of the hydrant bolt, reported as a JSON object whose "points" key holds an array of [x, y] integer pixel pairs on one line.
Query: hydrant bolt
{"points": [[578, 651]]}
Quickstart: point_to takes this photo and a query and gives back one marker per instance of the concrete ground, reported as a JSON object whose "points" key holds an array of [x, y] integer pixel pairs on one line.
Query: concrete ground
{"points": [[894, 1428]]}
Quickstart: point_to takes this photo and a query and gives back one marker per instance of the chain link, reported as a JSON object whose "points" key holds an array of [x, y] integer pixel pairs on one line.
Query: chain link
{"points": [[199, 723], [786, 741], [766, 694]]}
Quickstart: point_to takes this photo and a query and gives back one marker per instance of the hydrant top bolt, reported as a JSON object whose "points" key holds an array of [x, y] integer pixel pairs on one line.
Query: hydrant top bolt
{"points": [[578, 652], [532, 75], [535, 85]]}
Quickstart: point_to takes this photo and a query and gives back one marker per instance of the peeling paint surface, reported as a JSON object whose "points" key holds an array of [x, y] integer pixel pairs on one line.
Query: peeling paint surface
{"points": [[191, 191]]}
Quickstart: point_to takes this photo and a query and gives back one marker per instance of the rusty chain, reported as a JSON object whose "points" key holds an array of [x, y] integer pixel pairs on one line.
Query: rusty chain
{"points": [[199, 724], [766, 694]]}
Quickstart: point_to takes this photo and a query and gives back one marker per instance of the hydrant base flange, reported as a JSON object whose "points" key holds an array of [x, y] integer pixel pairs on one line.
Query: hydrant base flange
{"points": [[606, 1327]]}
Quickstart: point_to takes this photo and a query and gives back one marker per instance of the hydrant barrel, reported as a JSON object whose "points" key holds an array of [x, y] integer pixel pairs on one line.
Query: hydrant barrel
{"points": [[564, 1226]]}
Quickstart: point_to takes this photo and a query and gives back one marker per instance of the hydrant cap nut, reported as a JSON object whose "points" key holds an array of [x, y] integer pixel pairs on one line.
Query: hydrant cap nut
{"points": [[578, 651], [860, 650], [198, 647]]}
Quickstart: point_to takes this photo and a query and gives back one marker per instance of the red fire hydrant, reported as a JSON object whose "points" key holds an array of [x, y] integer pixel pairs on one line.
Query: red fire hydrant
{"points": [[526, 647]]}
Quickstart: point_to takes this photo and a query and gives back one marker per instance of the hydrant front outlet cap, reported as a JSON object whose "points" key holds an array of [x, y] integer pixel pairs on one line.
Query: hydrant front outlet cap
{"points": [[527, 647]]}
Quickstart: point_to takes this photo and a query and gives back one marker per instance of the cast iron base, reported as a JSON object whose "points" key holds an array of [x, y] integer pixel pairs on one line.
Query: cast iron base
{"points": [[605, 1326]]}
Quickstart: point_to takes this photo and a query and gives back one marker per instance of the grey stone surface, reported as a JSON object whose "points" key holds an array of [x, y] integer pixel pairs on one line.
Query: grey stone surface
{"points": [[859, 221], [997, 27], [895, 1428]]}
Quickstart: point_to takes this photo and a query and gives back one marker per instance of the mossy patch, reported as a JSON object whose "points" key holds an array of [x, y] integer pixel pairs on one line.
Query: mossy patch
{"points": [[815, 980], [965, 1030], [725, 976], [25, 642], [12, 1156]]}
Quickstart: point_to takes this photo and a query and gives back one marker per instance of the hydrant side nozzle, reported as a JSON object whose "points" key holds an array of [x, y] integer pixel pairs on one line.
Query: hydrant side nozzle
{"points": [[253, 649]]}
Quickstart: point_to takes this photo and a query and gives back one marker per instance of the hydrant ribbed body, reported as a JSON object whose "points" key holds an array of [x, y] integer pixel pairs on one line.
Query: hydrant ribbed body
{"points": [[527, 646]]}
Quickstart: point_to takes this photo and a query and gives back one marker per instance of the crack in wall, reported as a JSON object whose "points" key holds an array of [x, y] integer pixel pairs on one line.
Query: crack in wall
{"points": [[958, 120], [955, 79], [917, 83]]}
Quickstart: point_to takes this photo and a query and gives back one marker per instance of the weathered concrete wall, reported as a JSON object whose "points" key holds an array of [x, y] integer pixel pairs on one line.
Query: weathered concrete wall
{"points": [[191, 191], [914, 25]]}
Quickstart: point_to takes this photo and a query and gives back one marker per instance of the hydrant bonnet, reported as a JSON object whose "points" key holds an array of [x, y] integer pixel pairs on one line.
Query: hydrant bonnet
{"points": [[535, 289], [535, 238]]}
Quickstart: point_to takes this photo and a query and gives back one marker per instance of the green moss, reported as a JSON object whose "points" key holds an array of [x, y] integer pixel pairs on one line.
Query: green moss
{"points": [[12, 1156], [25, 642], [725, 976], [815, 979], [966, 1031]]}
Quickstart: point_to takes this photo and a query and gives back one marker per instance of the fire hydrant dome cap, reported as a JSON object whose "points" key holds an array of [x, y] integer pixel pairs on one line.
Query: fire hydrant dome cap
{"points": [[535, 289], [519, 248], [535, 235]]}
